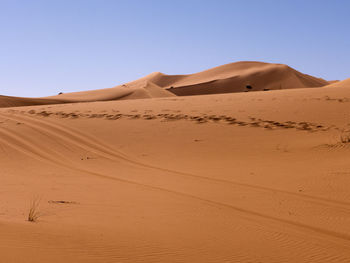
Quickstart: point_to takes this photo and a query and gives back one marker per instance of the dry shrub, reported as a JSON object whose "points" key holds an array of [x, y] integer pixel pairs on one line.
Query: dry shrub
{"points": [[34, 213], [345, 137]]}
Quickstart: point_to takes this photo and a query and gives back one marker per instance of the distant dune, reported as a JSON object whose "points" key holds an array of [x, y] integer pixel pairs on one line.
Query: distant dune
{"points": [[234, 77], [139, 89], [340, 84], [135, 90], [237, 77], [7, 101]]}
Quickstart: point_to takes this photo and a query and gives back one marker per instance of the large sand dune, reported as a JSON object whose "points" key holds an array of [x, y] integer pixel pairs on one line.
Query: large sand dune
{"points": [[139, 89], [235, 77], [242, 177]]}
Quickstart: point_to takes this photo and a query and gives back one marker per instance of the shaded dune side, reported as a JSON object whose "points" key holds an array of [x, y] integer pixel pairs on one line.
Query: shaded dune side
{"points": [[235, 77], [7, 101]]}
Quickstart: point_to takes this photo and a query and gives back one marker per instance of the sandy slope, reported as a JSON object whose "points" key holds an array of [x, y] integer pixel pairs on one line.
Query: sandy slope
{"points": [[244, 177], [234, 77], [8, 101], [139, 89], [341, 84]]}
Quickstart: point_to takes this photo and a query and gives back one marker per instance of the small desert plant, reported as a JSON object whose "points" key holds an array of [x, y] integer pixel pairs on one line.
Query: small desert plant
{"points": [[33, 213], [345, 137]]}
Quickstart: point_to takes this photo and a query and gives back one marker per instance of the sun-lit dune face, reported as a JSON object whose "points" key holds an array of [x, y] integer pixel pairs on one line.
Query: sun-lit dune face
{"points": [[225, 177], [139, 89], [135, 90], [135, 173], [243, 76], [136, 162], [340, 84]]}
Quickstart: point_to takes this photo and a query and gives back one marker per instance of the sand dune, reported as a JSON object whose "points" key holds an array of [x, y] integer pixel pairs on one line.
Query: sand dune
{"points": [[340, 84], [241, 177], [7, 101], [139, 89], [235, 77], [228, 78], [135, 90], [254, 177]]}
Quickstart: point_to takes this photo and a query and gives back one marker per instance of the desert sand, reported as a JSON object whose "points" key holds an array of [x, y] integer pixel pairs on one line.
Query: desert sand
{"points": [[137, 174], [229, 78]]}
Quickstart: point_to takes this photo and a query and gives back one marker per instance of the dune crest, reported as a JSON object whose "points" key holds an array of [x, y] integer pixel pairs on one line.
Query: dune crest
{"points": [[235, 77], [135, 90], [340, 84], [139, 89]]}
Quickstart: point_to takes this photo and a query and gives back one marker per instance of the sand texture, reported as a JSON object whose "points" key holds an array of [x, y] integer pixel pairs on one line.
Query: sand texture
{"points": [[242, 177]]}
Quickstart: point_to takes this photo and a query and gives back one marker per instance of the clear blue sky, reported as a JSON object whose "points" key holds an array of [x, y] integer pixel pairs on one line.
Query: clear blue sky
{"points": [[48, 46]]}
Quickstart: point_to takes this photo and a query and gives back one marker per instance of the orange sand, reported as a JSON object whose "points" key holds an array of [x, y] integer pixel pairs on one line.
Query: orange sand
{"points": [[234, 77], [240, 177]]}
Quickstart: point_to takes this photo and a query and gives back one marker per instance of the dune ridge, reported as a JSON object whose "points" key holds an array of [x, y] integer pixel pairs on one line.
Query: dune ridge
{"points": [[235, 77], [140, 89], [340, 84], [229, 78]]}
